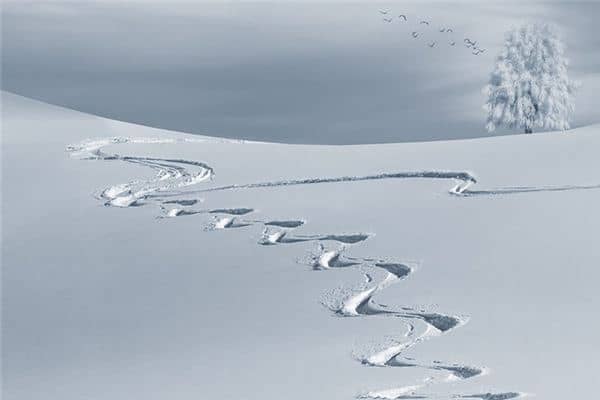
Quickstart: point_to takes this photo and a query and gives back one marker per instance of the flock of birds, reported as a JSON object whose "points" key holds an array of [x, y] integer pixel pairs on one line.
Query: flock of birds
{"points": [[468, 43]]}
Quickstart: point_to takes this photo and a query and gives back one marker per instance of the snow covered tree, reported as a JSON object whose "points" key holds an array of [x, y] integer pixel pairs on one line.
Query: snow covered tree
{"points": [[529, 87]]}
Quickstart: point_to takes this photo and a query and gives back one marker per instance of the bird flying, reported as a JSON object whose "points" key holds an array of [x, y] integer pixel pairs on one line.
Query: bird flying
{"points": [[469, 43]]}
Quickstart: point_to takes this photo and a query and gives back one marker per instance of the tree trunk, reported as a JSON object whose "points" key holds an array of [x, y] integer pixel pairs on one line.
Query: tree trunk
{"points": [[528, 130]]}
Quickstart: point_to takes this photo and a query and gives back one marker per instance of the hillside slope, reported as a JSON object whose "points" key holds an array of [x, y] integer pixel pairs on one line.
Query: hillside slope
{"points": [[151, 264]]}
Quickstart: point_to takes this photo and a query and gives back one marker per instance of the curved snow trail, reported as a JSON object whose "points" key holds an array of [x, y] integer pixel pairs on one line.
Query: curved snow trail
{"points": [[171, 173], [174, 174], [464, 180], [360, 304]]}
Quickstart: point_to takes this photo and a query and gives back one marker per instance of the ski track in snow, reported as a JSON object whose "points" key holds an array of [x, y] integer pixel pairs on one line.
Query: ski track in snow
{"points": [[173, 175]]}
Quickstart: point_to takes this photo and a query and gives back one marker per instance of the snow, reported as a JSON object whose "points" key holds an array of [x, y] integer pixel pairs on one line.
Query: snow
{"points": [[529, 87], [106, 302]]}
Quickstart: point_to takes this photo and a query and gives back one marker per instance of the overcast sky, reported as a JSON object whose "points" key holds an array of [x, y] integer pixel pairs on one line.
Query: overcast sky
{"points": [[280, 71]]}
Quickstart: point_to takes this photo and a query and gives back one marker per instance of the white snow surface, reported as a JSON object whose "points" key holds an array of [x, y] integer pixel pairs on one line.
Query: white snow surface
{"points": [[218, 302]]}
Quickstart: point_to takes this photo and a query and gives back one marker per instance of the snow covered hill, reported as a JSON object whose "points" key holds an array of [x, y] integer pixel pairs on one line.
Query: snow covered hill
{"points": [[142, 263]]}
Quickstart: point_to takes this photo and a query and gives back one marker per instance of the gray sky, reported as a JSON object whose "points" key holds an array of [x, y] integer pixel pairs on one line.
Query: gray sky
{"points": [[279, 71]]}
